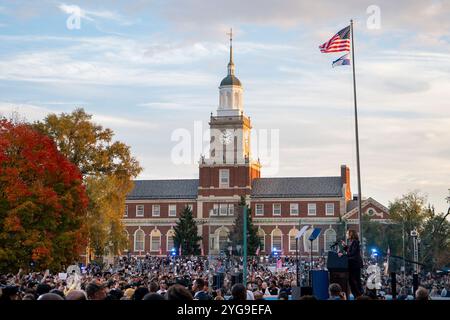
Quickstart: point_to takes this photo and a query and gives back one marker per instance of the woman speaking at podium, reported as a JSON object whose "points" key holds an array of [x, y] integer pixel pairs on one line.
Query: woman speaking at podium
{"points": [[355, 262]]}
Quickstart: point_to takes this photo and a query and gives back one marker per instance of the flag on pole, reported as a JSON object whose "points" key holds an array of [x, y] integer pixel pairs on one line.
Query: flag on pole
{"points": [[342, 61], [202, 252], [179, 250], [339, 42], [160, 250], [257, 251]]}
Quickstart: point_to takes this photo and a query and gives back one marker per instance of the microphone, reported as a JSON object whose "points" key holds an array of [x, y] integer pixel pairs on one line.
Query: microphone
{"points": [[334, 244]]}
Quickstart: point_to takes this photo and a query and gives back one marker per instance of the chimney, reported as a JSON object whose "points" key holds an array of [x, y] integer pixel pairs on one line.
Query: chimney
{"points": [[345, 174]]}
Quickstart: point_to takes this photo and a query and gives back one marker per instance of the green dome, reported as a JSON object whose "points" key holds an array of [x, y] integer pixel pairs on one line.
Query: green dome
{"points": [[230, 80]]}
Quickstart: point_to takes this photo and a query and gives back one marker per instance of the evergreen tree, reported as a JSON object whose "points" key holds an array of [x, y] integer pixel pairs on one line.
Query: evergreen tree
{"points": [[253, 241], [186, 234]]}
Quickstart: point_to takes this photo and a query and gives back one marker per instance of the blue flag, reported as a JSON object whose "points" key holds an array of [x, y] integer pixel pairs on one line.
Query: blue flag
{"points": [[342, 61]]}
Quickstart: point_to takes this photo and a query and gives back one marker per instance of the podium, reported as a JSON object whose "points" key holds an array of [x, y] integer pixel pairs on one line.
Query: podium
{"points": [[338, 269]]}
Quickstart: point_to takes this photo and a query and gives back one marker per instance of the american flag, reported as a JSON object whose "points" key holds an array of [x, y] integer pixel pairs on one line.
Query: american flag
{"points": [[339, 42], [257, 250]]}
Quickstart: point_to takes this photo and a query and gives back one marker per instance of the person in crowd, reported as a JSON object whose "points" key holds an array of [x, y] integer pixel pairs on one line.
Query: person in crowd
{"points": [[128, 294], [179, 293], [422, 294], [200, 290], [95, 291], [10, 293], [219, 295], [238, 292], [153, 287], [130, 277], [139, 293], [335, 292], [162, 288], [50, 296], [273, 289], [76, 295], [153, 296]]}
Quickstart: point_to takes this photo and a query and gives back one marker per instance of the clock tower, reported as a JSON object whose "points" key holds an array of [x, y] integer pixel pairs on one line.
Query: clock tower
{"points": [[229, 169]]}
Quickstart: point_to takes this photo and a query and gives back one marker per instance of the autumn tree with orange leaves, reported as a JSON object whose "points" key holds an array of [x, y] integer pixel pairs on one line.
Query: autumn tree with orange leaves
{"points": [[43, 202]]}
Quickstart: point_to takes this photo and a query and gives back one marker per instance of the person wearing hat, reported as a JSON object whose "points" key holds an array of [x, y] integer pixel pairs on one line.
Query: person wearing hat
{"points": [[95, 291]]}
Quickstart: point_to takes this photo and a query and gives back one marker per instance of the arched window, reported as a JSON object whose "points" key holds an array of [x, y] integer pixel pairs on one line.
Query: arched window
{"points": [[155, 240], [229, 100], [307, 243], [292, 241], [262, 239], [139, 240], [169, 244], [330, 238], [277, 239]]}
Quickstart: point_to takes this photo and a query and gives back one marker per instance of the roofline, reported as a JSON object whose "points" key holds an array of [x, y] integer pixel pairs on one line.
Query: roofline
{"points": [[297, 177]]}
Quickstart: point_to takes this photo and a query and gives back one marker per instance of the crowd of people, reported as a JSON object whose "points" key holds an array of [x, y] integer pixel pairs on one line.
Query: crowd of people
{"points": [[188, 278]]}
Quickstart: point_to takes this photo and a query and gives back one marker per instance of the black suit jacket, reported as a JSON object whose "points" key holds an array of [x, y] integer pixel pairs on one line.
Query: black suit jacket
{"points": [[354, 255]]}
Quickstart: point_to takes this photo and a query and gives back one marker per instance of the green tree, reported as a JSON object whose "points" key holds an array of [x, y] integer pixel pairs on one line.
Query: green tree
{"points": [[108, 169], [435, 241], [237, 232], [410, 212], [186, 234]]}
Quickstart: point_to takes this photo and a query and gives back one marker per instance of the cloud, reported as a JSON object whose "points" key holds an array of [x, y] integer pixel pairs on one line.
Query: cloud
{"points": [[33, 112]]}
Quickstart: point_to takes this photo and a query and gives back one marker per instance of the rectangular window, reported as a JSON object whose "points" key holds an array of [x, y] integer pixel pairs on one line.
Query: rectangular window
{"points": [[329, 209], [215, 210], [231, 209], [224, 175], [172, 210], [293, 209], [223, 209], [140, 210], [156, 241], [311, 209], [259, 209], [276, 243], [211, 242], [125, 214], [276, 210], [156, 210], [293, 243], [169, 243], [262, 243]]}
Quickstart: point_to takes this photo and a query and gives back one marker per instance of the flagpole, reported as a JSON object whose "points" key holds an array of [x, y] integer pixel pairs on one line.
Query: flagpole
{"points": [[357, 139]]}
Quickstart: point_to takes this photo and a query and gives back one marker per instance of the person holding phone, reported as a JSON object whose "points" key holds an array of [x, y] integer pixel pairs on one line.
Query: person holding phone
{"points": [[355, 262]]}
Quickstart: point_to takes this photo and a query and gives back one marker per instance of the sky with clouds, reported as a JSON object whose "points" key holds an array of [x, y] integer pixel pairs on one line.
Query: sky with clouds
{"points": [[147, 67]]}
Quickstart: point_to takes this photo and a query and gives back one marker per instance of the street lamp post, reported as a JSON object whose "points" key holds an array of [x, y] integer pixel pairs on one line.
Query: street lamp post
{"points": [[245, 246], [404, 253]]}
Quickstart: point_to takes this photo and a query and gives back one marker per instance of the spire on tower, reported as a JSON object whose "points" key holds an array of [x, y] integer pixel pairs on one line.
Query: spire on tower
{"points": [[231, 64]]}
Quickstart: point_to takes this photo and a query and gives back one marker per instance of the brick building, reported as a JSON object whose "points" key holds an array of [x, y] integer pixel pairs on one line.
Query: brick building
{"points": [[279, 206]]}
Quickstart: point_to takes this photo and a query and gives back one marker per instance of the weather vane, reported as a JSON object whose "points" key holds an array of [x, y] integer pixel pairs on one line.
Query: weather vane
{"points": [[231, 35]]}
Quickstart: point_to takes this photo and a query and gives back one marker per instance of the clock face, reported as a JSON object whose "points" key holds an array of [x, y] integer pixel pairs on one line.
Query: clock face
{"points": [[226, 137]]}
